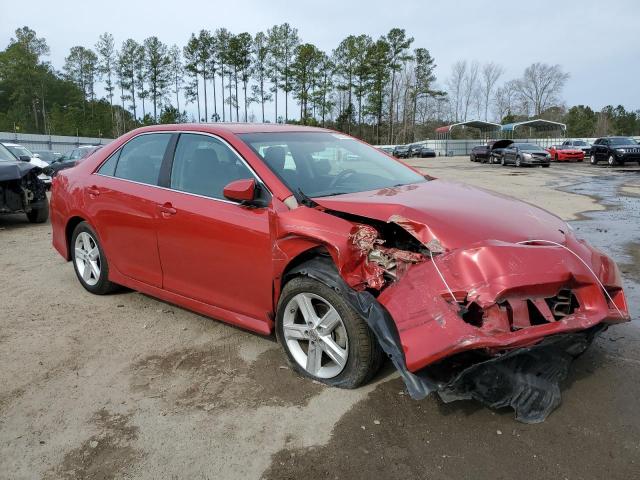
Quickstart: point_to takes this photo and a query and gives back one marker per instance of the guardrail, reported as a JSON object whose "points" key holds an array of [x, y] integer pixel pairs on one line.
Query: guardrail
{"points": [[57, 143]]}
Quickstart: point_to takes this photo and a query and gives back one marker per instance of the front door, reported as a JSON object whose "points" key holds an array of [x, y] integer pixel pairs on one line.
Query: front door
{"points": [[211, 249]]}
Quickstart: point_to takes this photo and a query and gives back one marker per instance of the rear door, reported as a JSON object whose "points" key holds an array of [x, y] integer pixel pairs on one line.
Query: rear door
{"points": [[122, 200], [212, 249]]}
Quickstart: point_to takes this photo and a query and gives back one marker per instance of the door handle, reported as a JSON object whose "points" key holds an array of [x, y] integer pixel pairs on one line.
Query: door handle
{"points": [[93, 191], [167, 210]]}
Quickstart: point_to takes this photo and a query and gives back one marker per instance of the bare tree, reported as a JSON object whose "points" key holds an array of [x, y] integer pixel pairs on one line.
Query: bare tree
{"points": [[504, 100], [455, 85], [541, 85], [491, 73], [470, 87]]}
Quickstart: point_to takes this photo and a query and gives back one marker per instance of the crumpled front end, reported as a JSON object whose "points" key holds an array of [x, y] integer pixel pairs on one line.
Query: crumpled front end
{"points": [[497, 321], [498, 296]]}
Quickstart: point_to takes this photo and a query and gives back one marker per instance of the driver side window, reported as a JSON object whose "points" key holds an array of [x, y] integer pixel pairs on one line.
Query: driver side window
{"points": [[204, 165]]}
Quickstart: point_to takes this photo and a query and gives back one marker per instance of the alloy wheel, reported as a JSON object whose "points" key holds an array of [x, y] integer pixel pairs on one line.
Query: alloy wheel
{"points": [[611, 161], [518, 161], [315, 335], [592, 159], [87, 258]]}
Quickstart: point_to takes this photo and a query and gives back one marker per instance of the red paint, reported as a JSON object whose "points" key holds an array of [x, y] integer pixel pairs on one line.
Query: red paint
{"points": [[560, 154], [227, 260], [241, 190]]}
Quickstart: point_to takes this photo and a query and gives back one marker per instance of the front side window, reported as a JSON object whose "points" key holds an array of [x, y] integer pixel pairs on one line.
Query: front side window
{"points": [[140, 159], [321, 164], [204, 165]]}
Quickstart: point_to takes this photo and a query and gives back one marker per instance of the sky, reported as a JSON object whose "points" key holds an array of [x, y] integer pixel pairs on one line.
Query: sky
{"points": [[596, 42]]}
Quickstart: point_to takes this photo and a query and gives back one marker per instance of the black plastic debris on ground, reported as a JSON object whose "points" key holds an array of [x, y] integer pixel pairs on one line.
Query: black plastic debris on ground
{"points": [[526, 379]]}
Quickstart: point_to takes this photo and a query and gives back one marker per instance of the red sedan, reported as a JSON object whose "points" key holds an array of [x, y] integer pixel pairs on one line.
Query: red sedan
{"points": [[344, 253], [562, 153]]}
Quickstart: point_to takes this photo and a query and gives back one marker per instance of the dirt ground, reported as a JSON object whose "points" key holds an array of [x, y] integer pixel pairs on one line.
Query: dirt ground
{"points": [[125, 386]]}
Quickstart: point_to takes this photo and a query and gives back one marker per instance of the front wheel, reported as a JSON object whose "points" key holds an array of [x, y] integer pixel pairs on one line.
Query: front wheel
{"points": [[518, 162], [323, 337], [502, 162], [472, 157], [89, 260], [611, 161], [592, 159]]}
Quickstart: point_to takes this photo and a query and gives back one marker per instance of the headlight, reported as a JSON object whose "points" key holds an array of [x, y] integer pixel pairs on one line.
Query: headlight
{"points": [[526, 155], [620, 150]]}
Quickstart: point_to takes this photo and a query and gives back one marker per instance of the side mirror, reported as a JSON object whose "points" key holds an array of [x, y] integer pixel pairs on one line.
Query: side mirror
{"points": [[36, 155], [25, 158], [243, 190]]}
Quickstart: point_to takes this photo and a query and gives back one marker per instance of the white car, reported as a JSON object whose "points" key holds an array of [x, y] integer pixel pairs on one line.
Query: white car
{"points": [[21, 152]]}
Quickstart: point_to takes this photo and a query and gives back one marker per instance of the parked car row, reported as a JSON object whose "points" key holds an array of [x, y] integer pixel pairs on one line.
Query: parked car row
{"points": [[413, 150], [613, 150]]}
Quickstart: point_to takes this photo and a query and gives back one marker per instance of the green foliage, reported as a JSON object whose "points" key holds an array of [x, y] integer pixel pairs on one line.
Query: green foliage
{"points": [[381, 90]]}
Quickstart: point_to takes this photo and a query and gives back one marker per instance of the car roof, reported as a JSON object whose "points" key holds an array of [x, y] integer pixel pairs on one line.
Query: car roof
{"points": [[10, 144], [236, 128]]}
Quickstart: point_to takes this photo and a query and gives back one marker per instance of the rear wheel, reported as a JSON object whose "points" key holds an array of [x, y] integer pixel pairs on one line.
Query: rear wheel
{"points": [[89, 261], [502, 162], [323, 337], [39, 215]]}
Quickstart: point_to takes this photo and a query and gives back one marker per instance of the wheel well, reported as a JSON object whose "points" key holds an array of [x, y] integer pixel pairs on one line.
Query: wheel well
{"points": [[68, 231], [305, 256]]}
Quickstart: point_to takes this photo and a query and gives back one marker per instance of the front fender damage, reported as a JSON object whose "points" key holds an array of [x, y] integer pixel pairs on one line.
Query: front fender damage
{"points": [[498, 322]]}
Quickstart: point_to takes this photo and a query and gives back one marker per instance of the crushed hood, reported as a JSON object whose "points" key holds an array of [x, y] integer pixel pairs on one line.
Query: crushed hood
{"points": [[16, 170], [455, 214]]}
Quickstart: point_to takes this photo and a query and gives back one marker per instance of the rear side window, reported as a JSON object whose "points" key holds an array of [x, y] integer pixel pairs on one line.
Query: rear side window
{"points": [[140, 159], [204, 165]]}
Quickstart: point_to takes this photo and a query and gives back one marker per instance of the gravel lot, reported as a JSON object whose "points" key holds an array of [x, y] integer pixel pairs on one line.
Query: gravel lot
{"points": [[125, 386]]}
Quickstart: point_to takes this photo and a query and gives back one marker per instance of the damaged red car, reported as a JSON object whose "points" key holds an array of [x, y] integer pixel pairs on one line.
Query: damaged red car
{"points": [[343, 252]]}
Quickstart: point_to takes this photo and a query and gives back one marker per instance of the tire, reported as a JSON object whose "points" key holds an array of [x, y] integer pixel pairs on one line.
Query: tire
{"points": [[556, 159], [546, 166], [502, 162], [593, 160], [39, 215], [518, 162], [85, 238], [352, 335], [472, 157], [612, 161]]}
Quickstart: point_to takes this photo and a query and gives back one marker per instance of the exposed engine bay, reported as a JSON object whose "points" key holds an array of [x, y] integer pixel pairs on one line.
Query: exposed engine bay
{"points": [[20, 188]]}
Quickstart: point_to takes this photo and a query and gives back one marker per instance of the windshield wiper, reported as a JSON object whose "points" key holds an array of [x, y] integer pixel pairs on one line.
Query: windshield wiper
{"points": [[303, 199]]}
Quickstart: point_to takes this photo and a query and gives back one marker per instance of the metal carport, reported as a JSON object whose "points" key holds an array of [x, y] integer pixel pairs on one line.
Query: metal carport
{"points": [[539, 125]]}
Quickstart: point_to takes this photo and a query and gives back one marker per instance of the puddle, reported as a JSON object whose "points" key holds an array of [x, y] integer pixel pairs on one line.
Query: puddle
{"points": [[615, 230]]}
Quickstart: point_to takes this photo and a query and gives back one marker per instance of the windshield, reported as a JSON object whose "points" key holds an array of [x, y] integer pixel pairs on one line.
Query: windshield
{"points": [[529, 146], [19, 150], [5, 155], [580, 143], [623, 141], [322, 164]]}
